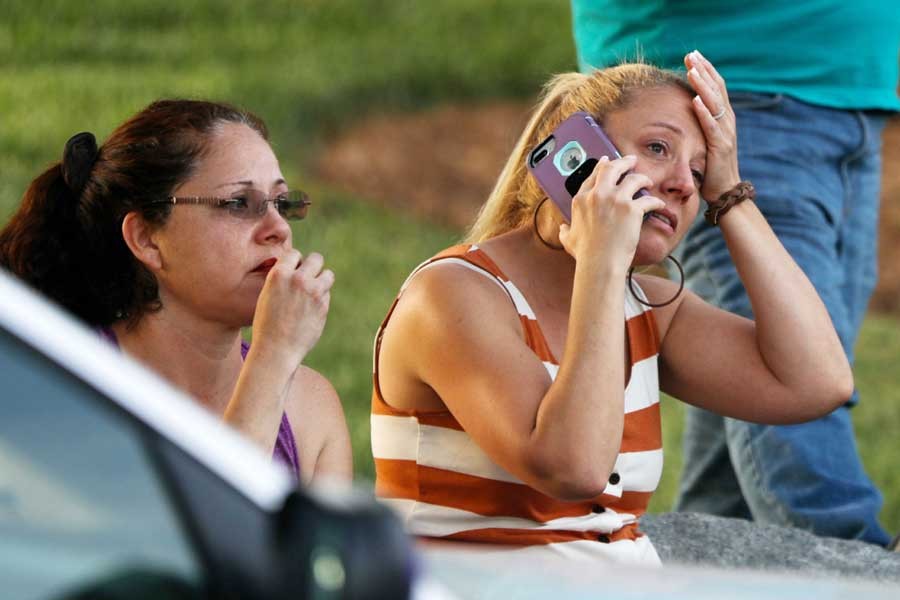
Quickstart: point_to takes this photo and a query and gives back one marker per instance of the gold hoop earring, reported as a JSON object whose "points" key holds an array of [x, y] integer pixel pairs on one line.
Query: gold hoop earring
{"points": [[537, 232], [667, 302]]}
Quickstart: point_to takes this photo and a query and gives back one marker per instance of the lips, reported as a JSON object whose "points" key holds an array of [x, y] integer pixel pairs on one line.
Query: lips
{"points": [[265, 265], [665, 216]]}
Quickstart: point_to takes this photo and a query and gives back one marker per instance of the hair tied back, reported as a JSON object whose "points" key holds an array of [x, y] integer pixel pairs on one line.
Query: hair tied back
{"points": [[78, 160]]}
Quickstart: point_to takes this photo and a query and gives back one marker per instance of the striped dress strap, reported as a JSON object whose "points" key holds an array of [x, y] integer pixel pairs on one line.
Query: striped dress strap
{"points": [[474, 259]]}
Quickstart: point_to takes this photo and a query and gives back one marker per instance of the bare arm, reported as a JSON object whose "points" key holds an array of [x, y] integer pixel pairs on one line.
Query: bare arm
{"points": [[789, 365], [290, 316], [477, 362]]}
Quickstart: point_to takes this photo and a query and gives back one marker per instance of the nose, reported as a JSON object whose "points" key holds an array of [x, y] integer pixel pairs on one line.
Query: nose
{"points": [[679, 182], [272, 229]]}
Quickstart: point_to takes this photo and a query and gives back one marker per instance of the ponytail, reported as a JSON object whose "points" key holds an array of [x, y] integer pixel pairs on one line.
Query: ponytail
{"points": [[43, 244]]}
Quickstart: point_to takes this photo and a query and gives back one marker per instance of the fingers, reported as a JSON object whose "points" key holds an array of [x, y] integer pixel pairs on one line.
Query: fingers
{"points": [[316, 278], [648, 204], [705, 88], [706, 118], [711, 99], [289, 261], [633, 182], [564, 231], [312, 265], [609, 173], [707, 67], [708, 84], [326, 280], [694, 61], [308, 274], [618, 175], [591, 179]]}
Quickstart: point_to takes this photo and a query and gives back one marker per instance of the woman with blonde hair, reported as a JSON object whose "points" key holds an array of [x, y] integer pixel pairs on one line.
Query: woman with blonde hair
{"points": [[517, 376]]}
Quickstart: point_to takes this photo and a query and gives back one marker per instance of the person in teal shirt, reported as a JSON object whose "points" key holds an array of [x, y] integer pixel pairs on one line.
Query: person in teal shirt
{"points": [[812, 83]]}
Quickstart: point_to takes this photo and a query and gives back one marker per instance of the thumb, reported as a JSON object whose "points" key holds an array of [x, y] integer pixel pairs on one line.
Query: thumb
{"points": [[565, 232]]}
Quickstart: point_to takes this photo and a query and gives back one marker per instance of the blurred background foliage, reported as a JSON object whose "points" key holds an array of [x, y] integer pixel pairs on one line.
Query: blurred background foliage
{"points": [[313, 69]]}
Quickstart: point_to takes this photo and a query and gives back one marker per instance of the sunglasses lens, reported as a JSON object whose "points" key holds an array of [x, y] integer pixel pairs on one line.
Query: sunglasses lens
{"points": [[293, 205], [256, 204]]}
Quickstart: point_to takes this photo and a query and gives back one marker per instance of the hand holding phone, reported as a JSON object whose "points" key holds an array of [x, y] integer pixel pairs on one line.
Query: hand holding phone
{"points": [[567, 157]]}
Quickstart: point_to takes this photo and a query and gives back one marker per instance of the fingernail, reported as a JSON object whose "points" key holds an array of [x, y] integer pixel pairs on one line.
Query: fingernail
{"points": [[693, 72], [694, 55], [604, 159]]}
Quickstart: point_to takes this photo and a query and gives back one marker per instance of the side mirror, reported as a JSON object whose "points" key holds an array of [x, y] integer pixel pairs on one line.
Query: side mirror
{"points": [[342, 545]]}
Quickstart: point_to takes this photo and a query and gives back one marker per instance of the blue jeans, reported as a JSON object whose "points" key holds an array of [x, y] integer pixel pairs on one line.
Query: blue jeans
{"points": [[817, 175]]}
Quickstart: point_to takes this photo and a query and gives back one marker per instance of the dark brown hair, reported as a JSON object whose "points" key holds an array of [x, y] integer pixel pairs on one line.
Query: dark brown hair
{"points": [[66, 237]]}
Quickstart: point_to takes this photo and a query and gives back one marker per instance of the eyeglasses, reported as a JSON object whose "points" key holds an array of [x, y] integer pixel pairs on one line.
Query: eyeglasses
{"points": [[251, 204]]}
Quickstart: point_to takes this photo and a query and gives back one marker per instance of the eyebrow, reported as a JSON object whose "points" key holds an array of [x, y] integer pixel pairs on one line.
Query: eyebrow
{"points": [[667, 126], [674, 128], [247, 182]]}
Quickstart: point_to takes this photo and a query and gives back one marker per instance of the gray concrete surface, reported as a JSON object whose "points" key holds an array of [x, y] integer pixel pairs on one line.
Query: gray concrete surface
{"points": [[705, 540]]}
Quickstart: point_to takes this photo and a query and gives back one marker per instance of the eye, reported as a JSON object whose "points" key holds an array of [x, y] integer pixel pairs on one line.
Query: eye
{"points": [[282, 202], [698, 176], [235, 205], [657, 148]]}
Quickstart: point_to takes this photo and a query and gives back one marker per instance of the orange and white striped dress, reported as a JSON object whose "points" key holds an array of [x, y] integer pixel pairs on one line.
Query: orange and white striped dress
{"points": [[445, 487]]}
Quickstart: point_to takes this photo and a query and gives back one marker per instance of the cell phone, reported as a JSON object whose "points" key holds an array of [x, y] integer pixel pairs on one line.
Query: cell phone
{"points": [[567, 157]]}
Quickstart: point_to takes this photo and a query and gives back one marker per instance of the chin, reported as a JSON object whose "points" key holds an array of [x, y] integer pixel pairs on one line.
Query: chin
{"points": [[653, 249], [646, 256]]}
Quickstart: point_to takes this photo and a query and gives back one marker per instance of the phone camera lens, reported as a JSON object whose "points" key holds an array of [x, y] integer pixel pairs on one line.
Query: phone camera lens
{"points": [[541, 152], [569, 158], [572, 158]]}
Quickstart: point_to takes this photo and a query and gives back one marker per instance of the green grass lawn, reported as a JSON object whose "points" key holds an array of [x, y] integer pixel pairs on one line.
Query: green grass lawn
{"points": [[310, 68]]}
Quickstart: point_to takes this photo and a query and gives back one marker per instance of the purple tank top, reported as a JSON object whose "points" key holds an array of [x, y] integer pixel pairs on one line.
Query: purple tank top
{"points": [[285, 449]]}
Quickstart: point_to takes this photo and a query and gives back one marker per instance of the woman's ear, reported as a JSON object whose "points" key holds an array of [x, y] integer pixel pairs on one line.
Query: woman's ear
{"points": [[138, 235]]}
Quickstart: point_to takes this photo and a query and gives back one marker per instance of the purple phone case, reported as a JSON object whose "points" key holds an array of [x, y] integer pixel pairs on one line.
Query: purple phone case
{"points": [[579, 126]]}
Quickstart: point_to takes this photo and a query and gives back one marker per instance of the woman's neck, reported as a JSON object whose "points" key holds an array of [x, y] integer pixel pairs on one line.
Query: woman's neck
{"points": [[547, 273], [201, 358]]}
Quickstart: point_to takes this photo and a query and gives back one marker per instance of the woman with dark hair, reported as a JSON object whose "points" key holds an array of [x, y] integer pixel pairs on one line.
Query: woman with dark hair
{"points": [[170, 237]]}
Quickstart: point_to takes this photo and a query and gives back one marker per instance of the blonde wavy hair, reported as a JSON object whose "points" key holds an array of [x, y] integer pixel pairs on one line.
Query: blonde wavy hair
{"points": [[516, 193]]}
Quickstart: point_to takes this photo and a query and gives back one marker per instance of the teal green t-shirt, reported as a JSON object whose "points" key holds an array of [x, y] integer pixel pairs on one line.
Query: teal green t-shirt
{"points": [[835, 53]]}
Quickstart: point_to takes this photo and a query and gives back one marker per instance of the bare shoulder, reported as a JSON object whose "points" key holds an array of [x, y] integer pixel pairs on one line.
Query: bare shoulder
{"points": [[659, 290], [314, 381], [448, 314], [319, 426], [453, 284], [452, 299], [311, 396]]}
